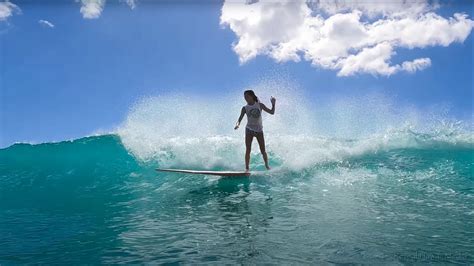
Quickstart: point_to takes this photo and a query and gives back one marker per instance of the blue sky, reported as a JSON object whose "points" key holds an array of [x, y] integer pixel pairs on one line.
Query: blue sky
{"points": [[83, 75]]}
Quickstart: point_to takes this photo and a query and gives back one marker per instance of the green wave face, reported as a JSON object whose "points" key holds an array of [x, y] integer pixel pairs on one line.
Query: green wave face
{"points": [[98, 200], [49, 174]]}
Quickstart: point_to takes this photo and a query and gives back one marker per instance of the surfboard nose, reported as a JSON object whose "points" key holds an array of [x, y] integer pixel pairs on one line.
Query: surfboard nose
{"points": [[200, 172]]}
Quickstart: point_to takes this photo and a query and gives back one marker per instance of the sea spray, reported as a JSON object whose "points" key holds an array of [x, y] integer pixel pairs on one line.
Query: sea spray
{"points": [[192, 131]]}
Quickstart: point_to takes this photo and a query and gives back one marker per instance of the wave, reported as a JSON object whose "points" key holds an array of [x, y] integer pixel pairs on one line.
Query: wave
{"points": [[75, 187], [195, 131], [176, 130], [388, 166], [292, 151], [295, 152]]}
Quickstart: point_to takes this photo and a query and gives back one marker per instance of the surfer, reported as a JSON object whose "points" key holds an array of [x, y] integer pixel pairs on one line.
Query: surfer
{"points": [[254, 127]]}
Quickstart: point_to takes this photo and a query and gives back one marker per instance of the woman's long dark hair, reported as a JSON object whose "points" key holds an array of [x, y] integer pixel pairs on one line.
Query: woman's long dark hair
{"points": [[252, 94]]}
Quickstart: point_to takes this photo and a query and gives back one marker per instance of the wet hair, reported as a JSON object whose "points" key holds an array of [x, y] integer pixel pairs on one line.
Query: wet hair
{"points": [[252, 94]]}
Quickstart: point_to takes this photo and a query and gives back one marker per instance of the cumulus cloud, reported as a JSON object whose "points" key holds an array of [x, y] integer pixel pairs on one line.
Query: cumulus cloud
{"points": [[346, 36], [7, 9], [92, 9], [46, 23]]}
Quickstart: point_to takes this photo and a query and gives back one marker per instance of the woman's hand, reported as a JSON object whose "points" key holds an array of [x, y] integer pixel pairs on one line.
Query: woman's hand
{"points": [[237, 125], [272, 100]]}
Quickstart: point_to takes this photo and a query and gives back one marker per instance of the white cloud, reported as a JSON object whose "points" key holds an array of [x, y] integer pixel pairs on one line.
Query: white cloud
{"points": [[92, 9], [371, 60], [417, 64], [131, 3], [7, 9], [46, 23], [393, 8], [347, 36]]}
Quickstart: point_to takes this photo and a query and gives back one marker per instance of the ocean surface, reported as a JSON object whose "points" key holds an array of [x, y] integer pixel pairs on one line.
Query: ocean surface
{"points": [[391, 189]]}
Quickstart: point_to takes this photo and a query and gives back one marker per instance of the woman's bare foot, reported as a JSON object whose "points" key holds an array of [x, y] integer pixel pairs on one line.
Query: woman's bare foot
{"points": [[268, 167]]}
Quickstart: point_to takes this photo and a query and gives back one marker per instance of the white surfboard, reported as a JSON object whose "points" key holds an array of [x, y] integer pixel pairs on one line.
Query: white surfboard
{"points": [[196, 172]]}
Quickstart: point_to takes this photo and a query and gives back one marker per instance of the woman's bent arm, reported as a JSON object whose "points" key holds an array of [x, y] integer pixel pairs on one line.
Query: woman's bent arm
{"points": [[266, 109]]}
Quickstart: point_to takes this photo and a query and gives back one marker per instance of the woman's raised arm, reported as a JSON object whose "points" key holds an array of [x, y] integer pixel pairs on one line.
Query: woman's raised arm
{"points": [[266, 109]]}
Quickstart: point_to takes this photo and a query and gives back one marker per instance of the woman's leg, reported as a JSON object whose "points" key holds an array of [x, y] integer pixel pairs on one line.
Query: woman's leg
{"points": [[248, 148], [261, 143]]}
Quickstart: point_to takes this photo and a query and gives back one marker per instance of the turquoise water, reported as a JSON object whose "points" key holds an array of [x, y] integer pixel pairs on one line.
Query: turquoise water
{"points": [[405, 199], [353, 180]]}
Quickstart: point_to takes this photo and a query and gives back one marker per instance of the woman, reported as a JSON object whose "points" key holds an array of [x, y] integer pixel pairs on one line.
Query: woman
{"points": [[254, 127]]}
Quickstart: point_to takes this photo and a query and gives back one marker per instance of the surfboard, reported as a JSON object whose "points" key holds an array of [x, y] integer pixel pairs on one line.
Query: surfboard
{"points": [[197, 172]]}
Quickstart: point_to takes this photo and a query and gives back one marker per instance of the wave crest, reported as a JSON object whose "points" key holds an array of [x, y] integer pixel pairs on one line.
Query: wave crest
{"points": [[178, 130]]}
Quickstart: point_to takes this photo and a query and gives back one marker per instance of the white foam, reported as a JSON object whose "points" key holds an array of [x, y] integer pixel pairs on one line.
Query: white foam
{"points": [[194, 131]]}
